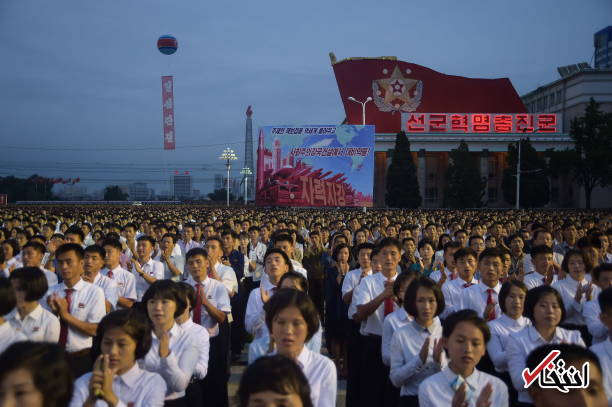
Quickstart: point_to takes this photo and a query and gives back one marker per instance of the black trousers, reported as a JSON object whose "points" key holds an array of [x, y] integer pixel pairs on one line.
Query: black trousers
{"points": [[238, 333], [193, 394], [80, 362], [176, 403], [408, 401], [316, 290], [353, 361], [214, 385], [374, 373]]}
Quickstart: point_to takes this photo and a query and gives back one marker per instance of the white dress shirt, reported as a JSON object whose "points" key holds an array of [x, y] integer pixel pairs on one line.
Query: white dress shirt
{"points": [[126, 282], [502, 328], [298, 268], [521, 344], [202, 340], [255, 317], [453, 295], [177, 261], [110, 288], [407, 370], [87, 304], [567, 288], [352, 280], [369, 288], [178, 367], [216, 293], [475, 298], [134, 388], [50, 276], [321, 374], [590, 313], [603, 350], [152, 268], [436, 390], [528, 266], [228, 278], [392, 323], [257, 252], [535, 279], [39, 325], [186, 246], [9, 335], [436, 275]]}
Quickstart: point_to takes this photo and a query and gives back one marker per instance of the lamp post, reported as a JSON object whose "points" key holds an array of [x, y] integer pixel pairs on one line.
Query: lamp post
{"points": [[228, 155], [246, 171], [363, 105]]}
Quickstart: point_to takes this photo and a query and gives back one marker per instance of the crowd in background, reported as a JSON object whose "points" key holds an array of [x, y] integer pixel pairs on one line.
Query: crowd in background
{"points": [[147, 306]]}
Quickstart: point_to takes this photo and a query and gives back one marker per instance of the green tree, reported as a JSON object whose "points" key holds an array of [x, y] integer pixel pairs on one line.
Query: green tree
{"points": [[589, 162], [34, 188], [220, 195], [535, 188], [464, 186], [114, 193], [402, 182]]}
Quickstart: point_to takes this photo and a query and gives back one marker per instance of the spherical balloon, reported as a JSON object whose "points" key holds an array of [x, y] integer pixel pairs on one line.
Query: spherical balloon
{"points": [[167, 44]]}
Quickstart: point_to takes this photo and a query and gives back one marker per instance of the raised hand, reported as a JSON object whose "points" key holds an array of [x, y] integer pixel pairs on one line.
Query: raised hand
{"points": [[424, 351], [437, 351], [459, 399], [265, 295], [484, 399]]}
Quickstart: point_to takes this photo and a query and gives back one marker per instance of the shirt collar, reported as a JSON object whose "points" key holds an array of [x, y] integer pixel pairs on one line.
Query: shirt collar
{"points": [[472, 380], [78, 286], [534, 335], [485, 287], [35, 314], [304, 358], [380, 276], [431, 328], [98, 277], [506, 320], [131, 376]]}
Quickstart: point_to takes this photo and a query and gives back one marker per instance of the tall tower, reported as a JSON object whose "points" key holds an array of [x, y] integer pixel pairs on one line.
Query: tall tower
{"points": [[248, 153], [261, 150]]}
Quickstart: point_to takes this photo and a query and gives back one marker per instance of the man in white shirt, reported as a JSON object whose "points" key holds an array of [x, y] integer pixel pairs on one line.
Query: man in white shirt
{"points": [[79, 306], [541, 237], [257, 250], [374, 300], [93, 262], [602, 276], [174, 264], [448, 266], [543, 267], [285, 243], [211, 309], [187, 243], [482, 297], [32, 255], [465, 263], [126, 281], [145, 269]]}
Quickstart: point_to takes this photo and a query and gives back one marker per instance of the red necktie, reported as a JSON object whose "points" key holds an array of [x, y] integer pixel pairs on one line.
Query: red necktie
{"points": [[63, 325], [490, 292], [466, 285], [388, 305], [110, 273], [197, 309]]}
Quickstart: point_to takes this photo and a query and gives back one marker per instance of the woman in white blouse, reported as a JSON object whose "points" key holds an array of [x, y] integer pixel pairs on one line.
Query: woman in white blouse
{"points": [[293, 319], [545, 309], [174, 352], [511, 301], [416, 348], [122, 338]]}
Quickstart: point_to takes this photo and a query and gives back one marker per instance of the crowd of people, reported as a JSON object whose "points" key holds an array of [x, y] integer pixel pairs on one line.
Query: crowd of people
{"points": [[151, 306]]}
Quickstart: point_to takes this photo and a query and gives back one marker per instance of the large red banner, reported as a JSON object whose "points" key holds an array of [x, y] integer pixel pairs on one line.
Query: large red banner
{"points": [[168, 112]]}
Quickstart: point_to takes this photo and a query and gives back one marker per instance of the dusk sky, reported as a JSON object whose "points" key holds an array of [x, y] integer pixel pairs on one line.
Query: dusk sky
{"points": [[80, 80]]}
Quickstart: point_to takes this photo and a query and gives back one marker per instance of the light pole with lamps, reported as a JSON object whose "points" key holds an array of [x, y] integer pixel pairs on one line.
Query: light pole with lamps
{"points": [[246, 171], [363, 105], [228, 155]]}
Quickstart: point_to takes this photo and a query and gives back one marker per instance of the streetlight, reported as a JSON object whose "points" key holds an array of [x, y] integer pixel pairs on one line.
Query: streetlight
{"points": [[246, 171], [228, 155], [363, 104]]}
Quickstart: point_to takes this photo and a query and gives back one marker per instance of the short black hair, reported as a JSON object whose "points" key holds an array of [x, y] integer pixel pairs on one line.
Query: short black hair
{"points": [[114, 243], [168, 290], [535, 294], [464, 252], [146, 238], [94, 248], [7, 296], [505, 291], [573, 252], [362, 246], [283, 237], [389, 241], [602, 268], [540, 249], [196, 251], [13, 243], [131, 321], [32, 281], [39, 247], [539, 231], [285, 298], [474, 237], [491, 252], [605, 300], [426, 241], [407, 275], [337, 249], [48, 365], [569, 353], [75, 230], [283, 255], [411, 295], [70, 247], [294, 275], [451, 245], [465, 315], [277, 374], [188, 292]]}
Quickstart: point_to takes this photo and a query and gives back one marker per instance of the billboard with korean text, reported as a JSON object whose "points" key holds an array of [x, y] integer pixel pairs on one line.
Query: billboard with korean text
{"points": [[168, 112], [315, 166]]}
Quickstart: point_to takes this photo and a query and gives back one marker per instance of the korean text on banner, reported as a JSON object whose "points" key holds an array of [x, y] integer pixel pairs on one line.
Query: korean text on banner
{"points": [[168, 112]]}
